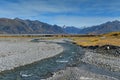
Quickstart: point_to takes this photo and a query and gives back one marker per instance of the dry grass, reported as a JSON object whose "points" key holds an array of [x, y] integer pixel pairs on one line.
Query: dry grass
{"points": [[42, 37], [105, 39]]}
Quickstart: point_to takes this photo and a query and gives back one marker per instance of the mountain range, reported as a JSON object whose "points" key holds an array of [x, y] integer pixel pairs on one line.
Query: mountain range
{"points": [[113, 26], [20, 26], [110, 26]]}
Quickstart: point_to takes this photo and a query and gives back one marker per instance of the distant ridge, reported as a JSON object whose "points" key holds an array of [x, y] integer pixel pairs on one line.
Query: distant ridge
{"points": [[19, 26], [113, 26]]}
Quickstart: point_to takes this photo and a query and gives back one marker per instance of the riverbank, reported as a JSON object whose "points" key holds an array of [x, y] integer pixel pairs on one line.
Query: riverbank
{"points": [[15, 52], [105, 57], [102, 50]]}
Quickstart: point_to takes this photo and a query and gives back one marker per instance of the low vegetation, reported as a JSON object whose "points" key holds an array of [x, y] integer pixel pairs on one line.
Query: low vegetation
{"points": [[100, 40], [82, 40]]}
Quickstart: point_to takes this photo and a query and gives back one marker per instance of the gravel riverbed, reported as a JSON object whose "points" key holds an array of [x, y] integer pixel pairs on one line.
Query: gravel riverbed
{"points": [[18, 52], [107, 57]]}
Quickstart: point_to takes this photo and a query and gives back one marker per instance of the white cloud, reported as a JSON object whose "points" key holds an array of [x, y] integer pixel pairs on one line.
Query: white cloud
{"points": [[34, 9], [37, 7]]}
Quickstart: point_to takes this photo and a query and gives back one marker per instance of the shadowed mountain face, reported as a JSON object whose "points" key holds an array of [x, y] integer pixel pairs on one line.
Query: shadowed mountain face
{"points": [[19, 26], [103, 28]]}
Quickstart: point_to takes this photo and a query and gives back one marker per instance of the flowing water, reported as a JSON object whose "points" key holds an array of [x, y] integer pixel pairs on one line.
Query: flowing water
{"points": [[45, 68]]}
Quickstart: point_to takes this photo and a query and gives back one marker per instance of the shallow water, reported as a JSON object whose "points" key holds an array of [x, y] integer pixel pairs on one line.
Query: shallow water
{"points": [[45, 68]]}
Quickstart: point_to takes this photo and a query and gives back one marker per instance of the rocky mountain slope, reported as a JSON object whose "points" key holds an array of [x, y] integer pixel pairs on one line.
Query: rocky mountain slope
{"points": [[19, 26]]}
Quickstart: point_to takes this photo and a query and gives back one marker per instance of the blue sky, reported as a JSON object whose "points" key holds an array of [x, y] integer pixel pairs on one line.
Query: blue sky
{"points": [[77, 13]]}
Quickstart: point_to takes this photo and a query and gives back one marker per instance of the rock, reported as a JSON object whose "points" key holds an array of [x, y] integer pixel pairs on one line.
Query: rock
{"points": [[109, 50]]}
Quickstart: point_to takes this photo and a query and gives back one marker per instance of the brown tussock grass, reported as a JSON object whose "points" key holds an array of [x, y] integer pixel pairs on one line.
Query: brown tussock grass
{"points": [[104, 39]]}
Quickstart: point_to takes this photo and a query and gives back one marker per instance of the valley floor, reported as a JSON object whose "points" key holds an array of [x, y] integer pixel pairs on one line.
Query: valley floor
{"points": [[15, 52]]}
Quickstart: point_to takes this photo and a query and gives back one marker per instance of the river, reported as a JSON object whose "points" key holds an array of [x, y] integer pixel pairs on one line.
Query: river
{"points": [[45, 68]]}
